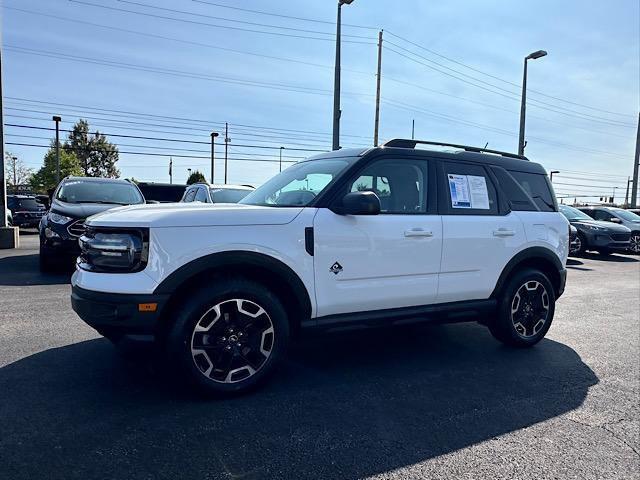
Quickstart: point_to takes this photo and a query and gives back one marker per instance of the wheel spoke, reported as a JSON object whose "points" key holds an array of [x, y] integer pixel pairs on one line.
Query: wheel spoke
{"points": [[232, 340]]}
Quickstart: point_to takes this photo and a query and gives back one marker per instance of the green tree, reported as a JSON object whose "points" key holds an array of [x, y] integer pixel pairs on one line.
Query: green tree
{"points": [[45, 178], [15, 171], [97, 156], [195, 177]]}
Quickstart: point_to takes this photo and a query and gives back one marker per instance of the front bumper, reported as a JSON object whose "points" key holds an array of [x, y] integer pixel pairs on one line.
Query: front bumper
{"points": [[620, 242], [117, 314]]}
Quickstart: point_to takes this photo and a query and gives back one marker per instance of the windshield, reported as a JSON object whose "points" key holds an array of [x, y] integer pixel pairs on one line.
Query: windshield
{"points": [[573, 213], [228, 195], [298, 185], [626, 215], [29, 204], [78, 191]]}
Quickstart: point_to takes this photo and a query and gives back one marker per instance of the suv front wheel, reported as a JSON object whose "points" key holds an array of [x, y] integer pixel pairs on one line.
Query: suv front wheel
{"points": [[526, 309], [228, 338]]}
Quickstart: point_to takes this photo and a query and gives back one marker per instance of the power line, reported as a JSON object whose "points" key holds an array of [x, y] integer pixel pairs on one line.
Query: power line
{"points": [[184, 119], [499, 90], [503, 80], [326, 22], [207, 24], [168, 139], [179, 40], [244, 22]]}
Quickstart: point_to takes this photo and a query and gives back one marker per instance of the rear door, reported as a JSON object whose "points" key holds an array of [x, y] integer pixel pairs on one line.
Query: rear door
{"points": [[479, 234], [390, 260]]}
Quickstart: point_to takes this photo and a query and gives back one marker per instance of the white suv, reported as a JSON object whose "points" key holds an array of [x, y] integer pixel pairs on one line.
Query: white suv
{"points": [[349, 238]]}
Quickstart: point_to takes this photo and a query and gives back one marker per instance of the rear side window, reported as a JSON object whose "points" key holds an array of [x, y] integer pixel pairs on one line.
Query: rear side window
{"points": [[201, 195], [518, 198], [189, 195], [539, 189], [469, 190]]}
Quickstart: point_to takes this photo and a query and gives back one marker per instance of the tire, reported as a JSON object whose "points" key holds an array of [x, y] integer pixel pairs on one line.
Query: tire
{"points": [[47, 263], [535, 304], [635, 243], [581, 250], [229, 338]]}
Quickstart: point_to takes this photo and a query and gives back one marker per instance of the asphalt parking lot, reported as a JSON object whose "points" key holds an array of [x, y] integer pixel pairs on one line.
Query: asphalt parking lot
{"points": [[428, 402]]}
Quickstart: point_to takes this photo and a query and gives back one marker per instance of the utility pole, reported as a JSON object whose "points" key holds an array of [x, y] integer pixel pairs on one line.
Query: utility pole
{"points": [[523, 105], [15, 176], [57, 119], [8, 235], [281, 148], [170, 170], [626, 194], [213, 155], [636, 160], [226, 148], [378, 76], [413, 129], [336, 80]]}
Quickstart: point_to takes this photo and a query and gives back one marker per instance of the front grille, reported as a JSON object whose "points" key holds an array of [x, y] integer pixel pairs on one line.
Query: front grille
{"points": [[76, 229], [621, 237]]}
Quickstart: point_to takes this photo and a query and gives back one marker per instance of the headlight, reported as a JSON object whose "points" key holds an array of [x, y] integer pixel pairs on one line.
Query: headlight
{"points": [[114, 250], [593, 227], [57, 218]]}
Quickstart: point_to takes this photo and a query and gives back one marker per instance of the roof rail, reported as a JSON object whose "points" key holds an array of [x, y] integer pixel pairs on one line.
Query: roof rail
{"points": [[406, 143]]}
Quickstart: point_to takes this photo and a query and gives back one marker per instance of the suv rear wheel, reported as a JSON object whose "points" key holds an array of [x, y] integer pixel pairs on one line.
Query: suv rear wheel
{"points": [[526, 309], [228, 338]]}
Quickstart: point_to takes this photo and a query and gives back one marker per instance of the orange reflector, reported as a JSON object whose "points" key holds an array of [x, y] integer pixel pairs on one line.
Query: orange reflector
{"points": [[147, 307]]}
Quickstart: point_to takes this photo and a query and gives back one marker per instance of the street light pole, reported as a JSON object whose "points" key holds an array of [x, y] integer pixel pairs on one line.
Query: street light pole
{"points": [[336, 80], [213, 155], [551, 174], [57, 119], [523, 105]]}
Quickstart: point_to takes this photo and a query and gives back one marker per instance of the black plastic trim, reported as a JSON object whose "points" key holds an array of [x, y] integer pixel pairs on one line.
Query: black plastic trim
{"points": [[308, 240], [465, 311], [529, 254], [218, 261]]}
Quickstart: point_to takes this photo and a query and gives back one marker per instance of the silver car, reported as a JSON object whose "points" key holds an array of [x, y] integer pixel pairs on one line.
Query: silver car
{"points": [[621, 217]]}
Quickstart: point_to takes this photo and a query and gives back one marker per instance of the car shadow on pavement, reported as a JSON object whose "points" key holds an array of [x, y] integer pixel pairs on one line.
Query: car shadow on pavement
{"points": [[340, 407], [22, 270], [610, 258]]}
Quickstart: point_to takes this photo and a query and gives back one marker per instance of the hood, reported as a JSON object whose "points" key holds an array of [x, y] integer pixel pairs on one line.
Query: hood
{"points": [[611, 227], [194, 215], [80, 210]]}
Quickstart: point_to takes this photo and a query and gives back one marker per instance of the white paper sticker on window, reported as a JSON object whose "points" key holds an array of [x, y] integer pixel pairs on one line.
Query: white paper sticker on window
{"points": [[468, 191]]}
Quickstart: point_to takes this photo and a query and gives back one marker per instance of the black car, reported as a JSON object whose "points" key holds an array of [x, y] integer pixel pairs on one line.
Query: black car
{"points": [[604, 237], [26, 210], [161, 192], [75, 199]]}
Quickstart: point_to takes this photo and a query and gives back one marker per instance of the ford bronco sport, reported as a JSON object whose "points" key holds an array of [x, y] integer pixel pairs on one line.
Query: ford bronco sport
{"points": [[349, 238]]}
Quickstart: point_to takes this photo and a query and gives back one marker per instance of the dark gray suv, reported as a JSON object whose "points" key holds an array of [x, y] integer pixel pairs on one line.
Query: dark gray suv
{"points": [[604, 237]]}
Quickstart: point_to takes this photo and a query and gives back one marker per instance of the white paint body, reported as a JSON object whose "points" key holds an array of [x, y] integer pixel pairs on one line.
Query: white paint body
{"points": [[388, 261]]}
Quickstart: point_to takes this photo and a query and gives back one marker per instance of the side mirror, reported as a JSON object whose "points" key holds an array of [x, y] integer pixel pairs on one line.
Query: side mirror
{"points": [[359, 203], [615, 220]]}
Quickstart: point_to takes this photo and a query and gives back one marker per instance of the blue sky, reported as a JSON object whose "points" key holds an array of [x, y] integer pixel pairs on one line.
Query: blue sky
{"points": [[593, 63]]}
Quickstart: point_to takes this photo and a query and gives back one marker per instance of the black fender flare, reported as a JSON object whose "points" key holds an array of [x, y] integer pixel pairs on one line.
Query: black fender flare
{"points": [[529, 255], [218, 261]]}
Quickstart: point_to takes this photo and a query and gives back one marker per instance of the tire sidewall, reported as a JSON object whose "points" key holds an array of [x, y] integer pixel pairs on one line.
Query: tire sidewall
{"points": [[583, 245], [507, 328], [178, 341]]}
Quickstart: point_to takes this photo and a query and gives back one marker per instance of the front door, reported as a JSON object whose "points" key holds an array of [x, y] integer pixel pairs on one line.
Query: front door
{"points": [[390, 260]]}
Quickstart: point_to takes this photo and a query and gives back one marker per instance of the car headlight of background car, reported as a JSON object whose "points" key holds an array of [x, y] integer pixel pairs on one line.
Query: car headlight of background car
{"points": [[57, 218], [114, 250], [595, 228]]}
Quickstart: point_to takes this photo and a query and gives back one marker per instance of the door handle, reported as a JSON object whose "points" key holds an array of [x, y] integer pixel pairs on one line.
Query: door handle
{"points": [[418, 232], [503, 232]]}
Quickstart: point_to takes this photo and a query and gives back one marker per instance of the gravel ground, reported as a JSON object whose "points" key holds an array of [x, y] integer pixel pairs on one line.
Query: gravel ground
{"points": [[429, 402]]}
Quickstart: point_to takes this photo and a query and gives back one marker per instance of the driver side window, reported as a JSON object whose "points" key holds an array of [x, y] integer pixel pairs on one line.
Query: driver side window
{"points": [[401, 185]]}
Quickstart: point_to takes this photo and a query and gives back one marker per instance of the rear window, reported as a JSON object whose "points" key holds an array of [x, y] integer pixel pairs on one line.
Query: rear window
{"points": [[228, 195], [538, 188]]}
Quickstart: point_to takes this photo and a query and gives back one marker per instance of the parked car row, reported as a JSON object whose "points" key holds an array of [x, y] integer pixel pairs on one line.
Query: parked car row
{"points": [[603, 229], [77, 198]]}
